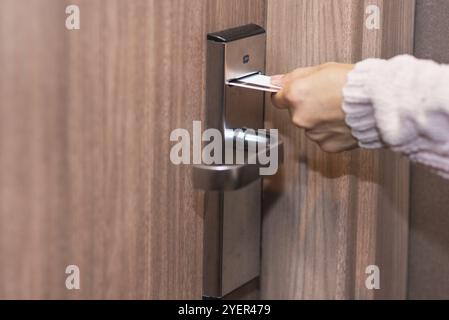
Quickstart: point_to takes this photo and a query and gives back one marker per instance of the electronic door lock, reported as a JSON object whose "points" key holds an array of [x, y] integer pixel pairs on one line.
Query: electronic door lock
{"points": [[232, 221], [236, 64]]}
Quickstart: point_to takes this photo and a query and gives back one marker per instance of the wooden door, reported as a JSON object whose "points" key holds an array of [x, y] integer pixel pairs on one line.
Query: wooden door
{"points": [[327, 217], [85, 176], [85, 120]]}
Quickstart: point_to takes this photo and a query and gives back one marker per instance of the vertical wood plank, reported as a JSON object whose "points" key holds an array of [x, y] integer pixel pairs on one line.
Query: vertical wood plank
{"points": [[32, 174], [429, 202], [328, 216], [95, 186]]}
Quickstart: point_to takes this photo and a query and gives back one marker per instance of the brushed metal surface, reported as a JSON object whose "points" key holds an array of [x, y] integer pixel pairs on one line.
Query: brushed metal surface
{"points": [[241, 236], [232, 219], [235, 176], [244, 57]]}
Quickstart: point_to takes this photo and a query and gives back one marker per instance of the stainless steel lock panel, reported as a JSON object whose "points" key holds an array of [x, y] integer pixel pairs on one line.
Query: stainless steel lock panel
{"points": [[245, 50], [241, 236], [244, 108], [232, 227], [233, 54], [233, 202], [243, 57]]}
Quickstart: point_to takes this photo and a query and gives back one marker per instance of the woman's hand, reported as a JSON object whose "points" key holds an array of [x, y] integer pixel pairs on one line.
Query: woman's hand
{"points": [[314, 98]]}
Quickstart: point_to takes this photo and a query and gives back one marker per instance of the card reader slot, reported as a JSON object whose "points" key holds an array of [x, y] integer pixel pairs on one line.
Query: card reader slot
{"points": [[255, 81]]}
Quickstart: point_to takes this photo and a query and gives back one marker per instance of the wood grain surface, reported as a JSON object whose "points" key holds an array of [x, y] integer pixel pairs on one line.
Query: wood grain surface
{"points": [[428, 273], [85, 119], [85, 178], [328, 216]]}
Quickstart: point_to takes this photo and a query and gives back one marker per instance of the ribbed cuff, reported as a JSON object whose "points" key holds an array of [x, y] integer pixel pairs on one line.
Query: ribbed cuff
{"points": [[358, 106]]}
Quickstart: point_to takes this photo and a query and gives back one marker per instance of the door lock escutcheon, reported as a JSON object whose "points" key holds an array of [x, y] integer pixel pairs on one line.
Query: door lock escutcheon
{"points": [[233, 199]]}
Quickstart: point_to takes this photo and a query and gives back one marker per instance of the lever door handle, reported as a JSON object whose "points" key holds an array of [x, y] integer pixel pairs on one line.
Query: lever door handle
{"points": [[234, 176], [233, 211]]}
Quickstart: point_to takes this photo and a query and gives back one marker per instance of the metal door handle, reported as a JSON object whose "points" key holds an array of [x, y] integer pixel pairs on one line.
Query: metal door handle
{"points": [[232, 177], [232, 210]]}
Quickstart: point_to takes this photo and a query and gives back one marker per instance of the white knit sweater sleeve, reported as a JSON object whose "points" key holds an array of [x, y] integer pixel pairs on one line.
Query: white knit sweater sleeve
{"points": [[402, 104]]}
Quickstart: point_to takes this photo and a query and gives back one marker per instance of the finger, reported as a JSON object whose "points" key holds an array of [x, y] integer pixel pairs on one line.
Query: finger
{"points": [[317, 136], [278, 99], [300, 73], [338, 143], [282, 79], [332, 142], [277, 80]]}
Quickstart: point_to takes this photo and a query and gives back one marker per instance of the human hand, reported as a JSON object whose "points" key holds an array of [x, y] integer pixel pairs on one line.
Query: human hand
{"points": [[314, 98]]}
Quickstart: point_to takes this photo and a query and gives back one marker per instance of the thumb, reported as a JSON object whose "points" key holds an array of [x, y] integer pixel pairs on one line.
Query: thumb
{"points": [[277, 80]]}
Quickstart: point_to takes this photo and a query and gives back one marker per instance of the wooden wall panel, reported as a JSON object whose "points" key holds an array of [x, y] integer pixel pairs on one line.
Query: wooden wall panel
{"points": [[328, 216], [129, 72], [428, 276], [32, 172], [223, 14], [85, 118]]}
